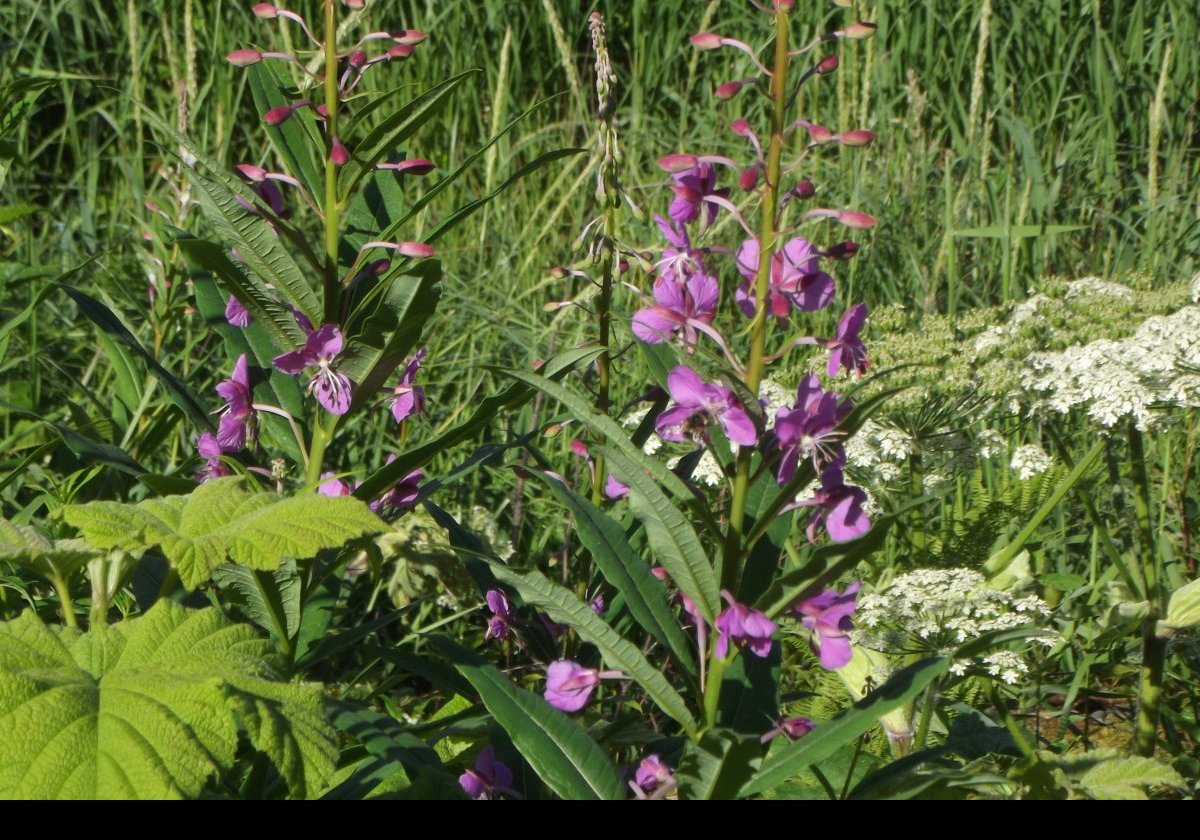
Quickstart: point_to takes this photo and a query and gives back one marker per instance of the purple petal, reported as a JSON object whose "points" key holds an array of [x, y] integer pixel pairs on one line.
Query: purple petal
{"points": [[325, 343], [207, 446], [231, 433], [670, 424], [686, 387], [333, 391], [738, 426], [845, 520], [835, 652], [675, 235], [472, 784], [747, 259], [294, 362], [569, 686], [655, 324], [614, 489], [237, 314]]}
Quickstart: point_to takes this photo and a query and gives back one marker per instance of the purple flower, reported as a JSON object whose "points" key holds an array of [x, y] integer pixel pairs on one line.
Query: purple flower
{"points": [[237, 314], [503, 616], [691, 186], [652, 774], [407, 398], [334, 487], [402, 495], [678, 303], [209, 449], [827, 617], [488, 778], [693, 398], [742, 626], [569, 685], [614, 489], [839, 507], [796, 279], [239, 412], [332, 389], [848, 350], [794, 728], [810, 428], [598, 604]]}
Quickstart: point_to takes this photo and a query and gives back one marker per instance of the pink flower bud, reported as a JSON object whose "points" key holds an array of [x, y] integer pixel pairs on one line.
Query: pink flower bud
{"points": [[842, 250], [338, 153], [244, 58], [705, 40], [357, 59], [250, 172], [416, 166], [819, 133], [416, 250], [678, 163], [265, 11], [804, 189], [278, 115], [859, 30], [741, 128], [857, 137], [748, 180], [399, 51], [827, 64], [354, 4], [323, 111], [728, 90], [854, 219], [409, 37]]}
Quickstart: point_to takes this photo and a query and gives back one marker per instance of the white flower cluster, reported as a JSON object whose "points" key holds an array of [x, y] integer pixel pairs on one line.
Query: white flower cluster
{"points": [[707, 470], [634, 419], [990, 442], [1030, 460], [774, 397], [879, 449], [1086, 287], [936, 610], [1114, 379]]}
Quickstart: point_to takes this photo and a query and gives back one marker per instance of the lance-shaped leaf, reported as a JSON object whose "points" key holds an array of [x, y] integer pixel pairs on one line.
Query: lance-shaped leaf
{"points": [[831, 735], [150, 708], [672, 538], [222, 520], [645, 595], [560, 752], [563, 607]]}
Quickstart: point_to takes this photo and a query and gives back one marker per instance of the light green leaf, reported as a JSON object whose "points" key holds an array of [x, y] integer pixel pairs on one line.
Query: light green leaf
{"points": [[269, 599], [564, 608], [222, 520], [1127, 777], [560, 752], [1183, 610], [716, 766], [1016, 231], [149, 708], [57, 560]]}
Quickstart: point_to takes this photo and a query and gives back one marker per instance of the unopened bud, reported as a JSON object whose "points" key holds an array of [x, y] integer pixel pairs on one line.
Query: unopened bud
{"points": [[358, 59], [728, 90], [622, 266], [705, 40], [857, 137], [558, 272], [416, 250], [854, 219], [741, 128], [859, 30], [323, 111], [804, 189], [409, 37], [399, 51], [784, 5], [827, 64], [354, 4], [678, 163], [842, 250], [252, 173], [819, 133], [416, 166], [265, 11], [338, 153], [244, 58], [278, 115], [748, 180]]}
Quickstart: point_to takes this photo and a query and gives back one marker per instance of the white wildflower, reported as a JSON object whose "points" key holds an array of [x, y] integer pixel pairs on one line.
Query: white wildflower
{"points": [[1029, 460], [707, 470], [990, 442], [634, 419], [1095, 287], [1006, 665], [775, 397]]}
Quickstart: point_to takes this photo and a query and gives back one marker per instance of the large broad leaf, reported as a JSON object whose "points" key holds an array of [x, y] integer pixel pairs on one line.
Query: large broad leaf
{"points": [[23, 546], [149, 708], [1127, 777], [222, 520], [672, 538], [269, 599], [1183, 610], [830, 736], [560, 752], [645, 595], [564, 608]]}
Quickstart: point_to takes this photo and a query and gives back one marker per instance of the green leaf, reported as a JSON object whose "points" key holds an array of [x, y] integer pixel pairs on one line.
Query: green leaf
{"points": [[222, 520], [560, 752], [150, 708], [104, 318], [385, 477], [564, 608], [269, 599], [295, 139], [645, 595], [89, 450], [1127, 777], [672, 538], [1016, 231], [394, 129], [828, 737], [23, 546], [716, 766], [1183, 610]]}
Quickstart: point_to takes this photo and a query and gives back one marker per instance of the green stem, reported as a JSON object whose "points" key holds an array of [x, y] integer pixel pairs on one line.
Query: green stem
{"points": [[65, 604], [731, 566], [1154, 654], [608, 258], [1154, 649], [712, 691], [331, 181], [931, 695]]}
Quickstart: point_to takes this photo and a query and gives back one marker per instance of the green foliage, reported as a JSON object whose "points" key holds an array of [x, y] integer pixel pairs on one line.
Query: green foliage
{"points": [[223, 520], [1098, 774], [150, 708], [53, 560]]}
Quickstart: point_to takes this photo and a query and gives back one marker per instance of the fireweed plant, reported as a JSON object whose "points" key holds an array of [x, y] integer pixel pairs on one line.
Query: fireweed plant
{"points": [[687, 648]]}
